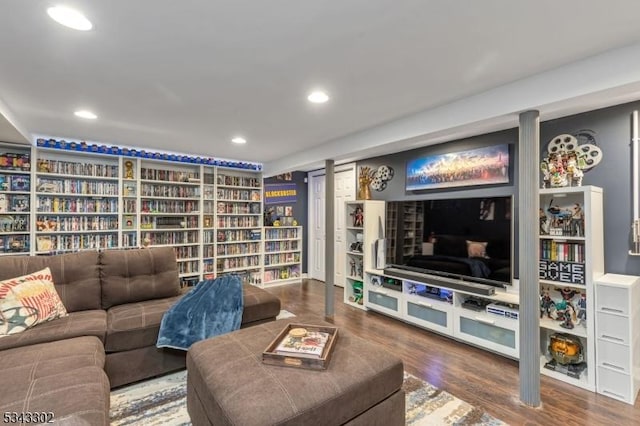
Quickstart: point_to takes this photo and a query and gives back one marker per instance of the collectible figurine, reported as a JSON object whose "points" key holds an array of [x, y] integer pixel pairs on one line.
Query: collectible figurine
{"points": [[582, 309], [128, 169], [353, 267], [358, 217], [577, 220], [546, 303]]}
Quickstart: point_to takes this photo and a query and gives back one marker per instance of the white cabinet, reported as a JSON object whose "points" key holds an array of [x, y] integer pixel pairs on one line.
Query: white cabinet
{"points": [[282, 255], [571, 258], [15, 199], [487, 321], [617, 336], [76, 201], [238, 220], [364, 235]]}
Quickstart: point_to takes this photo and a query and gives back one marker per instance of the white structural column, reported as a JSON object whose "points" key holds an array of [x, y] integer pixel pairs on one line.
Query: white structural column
{"points": [[528, 207], [329, 241]]}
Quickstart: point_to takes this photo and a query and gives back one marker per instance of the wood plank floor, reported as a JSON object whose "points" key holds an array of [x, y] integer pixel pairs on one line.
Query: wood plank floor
{"points": [[481, 378]]}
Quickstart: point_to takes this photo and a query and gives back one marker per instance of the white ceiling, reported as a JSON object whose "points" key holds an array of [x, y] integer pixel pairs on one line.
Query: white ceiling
{"points": [[186, 76]]}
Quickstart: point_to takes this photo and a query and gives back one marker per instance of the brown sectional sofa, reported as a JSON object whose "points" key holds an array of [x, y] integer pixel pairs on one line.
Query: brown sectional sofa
{"points": [[116, 300]]}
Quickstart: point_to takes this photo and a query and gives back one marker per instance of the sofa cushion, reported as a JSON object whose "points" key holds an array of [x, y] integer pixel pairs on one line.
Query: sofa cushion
{"points": [[27, 301], [75, 276], [76, 324], [130, 276], [259, 304], [46, 359], [135, 325], [65, 378]]}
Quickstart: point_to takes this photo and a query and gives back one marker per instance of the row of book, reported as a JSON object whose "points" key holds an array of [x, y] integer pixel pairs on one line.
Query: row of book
{"points": [[275, 233], [12, 203], [76, 223], [238, 262], [281, 245], [562, 251], [172, 191], [169, 175], [48, 204], [281, 273], [239, 195], [238, 249], [78, 169], [239, 208], [15, 161], [75, 186], [279, 258], [173, 237], [240, 221], [15, 183], [75, 242], [169, 206], [239, 181]]}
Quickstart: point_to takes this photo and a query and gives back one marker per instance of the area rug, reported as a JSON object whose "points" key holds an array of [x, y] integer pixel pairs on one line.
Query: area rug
{"points": [[162, 402]]}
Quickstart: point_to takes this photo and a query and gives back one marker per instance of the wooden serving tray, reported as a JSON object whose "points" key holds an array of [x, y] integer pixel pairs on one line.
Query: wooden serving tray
{"points": [[272, 357]]}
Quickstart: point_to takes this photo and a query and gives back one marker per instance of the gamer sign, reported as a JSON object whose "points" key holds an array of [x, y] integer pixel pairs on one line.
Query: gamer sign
{"points": [[565, 272]]}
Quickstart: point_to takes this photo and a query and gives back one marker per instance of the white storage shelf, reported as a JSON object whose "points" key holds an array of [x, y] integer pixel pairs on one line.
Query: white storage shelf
{"points": [[617, 339], [364, 218], [571, 257]]}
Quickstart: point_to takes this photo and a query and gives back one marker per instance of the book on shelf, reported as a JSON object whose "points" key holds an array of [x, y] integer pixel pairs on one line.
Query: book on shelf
{"points": [[310, 345], [20, 203], [20, 183], [4, 203], [43, 243]]}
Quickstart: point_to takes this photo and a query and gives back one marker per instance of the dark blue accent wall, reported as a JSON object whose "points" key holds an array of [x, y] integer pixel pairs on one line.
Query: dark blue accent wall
{"points": [[299, 207], [611, 128]]}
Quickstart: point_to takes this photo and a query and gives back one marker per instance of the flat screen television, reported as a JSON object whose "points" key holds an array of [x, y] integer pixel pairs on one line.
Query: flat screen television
{"points": [[463, 238]]}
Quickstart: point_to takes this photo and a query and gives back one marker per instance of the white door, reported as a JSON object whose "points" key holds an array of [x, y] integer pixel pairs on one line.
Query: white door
{"points": [[345, 183], [344, 191], [316, 225]]}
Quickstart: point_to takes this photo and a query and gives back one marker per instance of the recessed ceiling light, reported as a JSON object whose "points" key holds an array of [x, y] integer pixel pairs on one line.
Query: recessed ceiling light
{"points": [[85, 114], [239, 140], [69, 18], [318, 97]]}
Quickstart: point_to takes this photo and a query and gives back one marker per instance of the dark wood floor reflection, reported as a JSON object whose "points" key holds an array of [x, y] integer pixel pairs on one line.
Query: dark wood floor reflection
{"points": [[479, 377]]}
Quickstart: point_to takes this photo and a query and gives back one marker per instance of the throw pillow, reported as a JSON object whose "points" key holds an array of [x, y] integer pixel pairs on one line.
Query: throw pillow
{"points": [[476, 248], [27, 301]]}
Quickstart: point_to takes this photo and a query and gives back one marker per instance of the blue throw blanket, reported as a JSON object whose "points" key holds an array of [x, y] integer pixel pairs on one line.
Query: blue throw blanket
{"points": [[212, 308]]}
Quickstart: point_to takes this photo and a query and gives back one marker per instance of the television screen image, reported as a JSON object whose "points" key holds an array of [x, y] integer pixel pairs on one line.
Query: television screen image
{"points": [[460, 238], [480, 166]]}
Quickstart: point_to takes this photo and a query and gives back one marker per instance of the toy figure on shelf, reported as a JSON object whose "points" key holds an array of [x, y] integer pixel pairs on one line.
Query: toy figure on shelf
{"points": [[357, 292], [546, 303], [582, 309], [567, 316], [352, 262], [359, 268], [358, 217], [544, 223], [574, 170], [577, 220]]}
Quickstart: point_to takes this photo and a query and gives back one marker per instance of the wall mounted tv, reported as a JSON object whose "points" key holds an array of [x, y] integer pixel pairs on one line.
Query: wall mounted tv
{"points": [[462, 238], [481, 166]]}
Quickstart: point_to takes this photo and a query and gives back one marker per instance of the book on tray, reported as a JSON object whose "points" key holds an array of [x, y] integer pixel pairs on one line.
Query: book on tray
{"points": [[310, 345]]}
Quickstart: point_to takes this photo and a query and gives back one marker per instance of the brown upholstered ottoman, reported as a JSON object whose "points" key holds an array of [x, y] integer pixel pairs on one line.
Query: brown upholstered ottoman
{"points": [[227, 383]]}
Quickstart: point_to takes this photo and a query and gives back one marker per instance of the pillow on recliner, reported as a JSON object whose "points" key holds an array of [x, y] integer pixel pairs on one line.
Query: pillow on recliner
{"points": [[27, 301], [477, 248]]}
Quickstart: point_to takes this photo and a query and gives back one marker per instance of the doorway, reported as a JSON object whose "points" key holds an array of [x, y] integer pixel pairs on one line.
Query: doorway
{"points": [[345, 190]]}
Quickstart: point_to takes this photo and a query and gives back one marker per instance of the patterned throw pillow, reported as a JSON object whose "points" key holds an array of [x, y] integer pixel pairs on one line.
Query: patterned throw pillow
{"points": [[477, 248], [28, 300]]}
